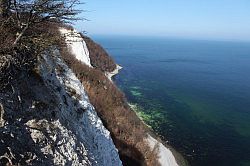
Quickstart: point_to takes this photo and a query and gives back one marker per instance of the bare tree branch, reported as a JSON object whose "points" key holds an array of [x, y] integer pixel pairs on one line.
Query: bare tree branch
{"points": [[30, 12]]}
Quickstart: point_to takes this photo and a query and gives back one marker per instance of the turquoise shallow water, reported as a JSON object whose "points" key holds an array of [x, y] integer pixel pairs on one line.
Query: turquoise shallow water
{"points": [[195, 94]]}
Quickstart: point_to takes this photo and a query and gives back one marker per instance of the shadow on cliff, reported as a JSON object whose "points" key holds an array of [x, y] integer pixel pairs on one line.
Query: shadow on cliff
{"points": [[28, 98], [16, 143]]}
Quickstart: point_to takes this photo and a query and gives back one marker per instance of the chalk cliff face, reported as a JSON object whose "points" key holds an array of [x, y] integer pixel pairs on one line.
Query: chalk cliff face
{"points": [[80, 118], [47, 119], [76, 45]]}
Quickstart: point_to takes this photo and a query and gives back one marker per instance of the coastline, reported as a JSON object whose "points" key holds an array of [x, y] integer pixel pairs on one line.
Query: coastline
{"points": [[168, 156], [113, 73], [180, 160], [174, 158]]}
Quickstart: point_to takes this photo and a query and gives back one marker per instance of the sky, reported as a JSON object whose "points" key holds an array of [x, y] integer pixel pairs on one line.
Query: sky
{"points": [[206, 19]]}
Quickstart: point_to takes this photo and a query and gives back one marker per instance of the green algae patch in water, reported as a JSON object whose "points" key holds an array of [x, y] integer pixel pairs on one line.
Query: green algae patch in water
{"points": [[136, 93], [139, 112], [152, 116]]}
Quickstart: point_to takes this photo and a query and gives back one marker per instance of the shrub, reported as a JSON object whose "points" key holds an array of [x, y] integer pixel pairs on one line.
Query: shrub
{"points": [[98, 56]]}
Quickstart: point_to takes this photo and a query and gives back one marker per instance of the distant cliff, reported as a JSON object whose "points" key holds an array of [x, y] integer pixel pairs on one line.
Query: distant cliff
{"points": [[99, 57]]}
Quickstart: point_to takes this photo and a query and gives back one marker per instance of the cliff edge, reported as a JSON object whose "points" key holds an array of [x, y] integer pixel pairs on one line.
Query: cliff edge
{"points": [[47, 119]]}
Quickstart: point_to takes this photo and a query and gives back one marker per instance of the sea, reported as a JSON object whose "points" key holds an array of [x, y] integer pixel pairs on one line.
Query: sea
{"points": [[195, 94]]}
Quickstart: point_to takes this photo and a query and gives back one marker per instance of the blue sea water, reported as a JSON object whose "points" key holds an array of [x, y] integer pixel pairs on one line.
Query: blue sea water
{"points": [[194, 93]]}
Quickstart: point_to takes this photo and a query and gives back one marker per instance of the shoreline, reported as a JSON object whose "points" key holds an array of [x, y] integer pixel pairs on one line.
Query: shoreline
{"points": [[114, 72], [181, 161], [174, 158], [168, 156]]}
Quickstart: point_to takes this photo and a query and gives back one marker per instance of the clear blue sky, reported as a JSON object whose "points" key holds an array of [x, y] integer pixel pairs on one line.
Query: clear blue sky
{"points": [[207, 19]]}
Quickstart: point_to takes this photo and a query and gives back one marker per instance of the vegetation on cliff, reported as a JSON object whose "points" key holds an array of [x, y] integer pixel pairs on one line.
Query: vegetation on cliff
{"points": [[99, 57], [30, 28], [27, 28], [127, 131]]}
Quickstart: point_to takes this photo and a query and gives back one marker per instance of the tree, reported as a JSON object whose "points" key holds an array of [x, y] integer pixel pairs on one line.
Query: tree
{"points": [[27, 28], [27, 13]]}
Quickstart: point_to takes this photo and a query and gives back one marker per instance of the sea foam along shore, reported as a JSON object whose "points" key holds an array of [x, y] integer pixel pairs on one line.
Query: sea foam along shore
{"points": [[166, 157], [113, 73]]}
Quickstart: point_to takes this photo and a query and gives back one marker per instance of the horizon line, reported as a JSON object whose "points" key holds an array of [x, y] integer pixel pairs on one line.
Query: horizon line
{"points": [[173, 37]]}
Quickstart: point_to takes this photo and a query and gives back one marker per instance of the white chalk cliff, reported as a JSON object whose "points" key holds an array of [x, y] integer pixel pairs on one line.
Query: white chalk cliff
{"points": [[80, 135], [47, 119], [76, 45]]}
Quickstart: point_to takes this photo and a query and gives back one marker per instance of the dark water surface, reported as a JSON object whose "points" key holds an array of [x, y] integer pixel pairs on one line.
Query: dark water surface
{"points": [[196, 94]]}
